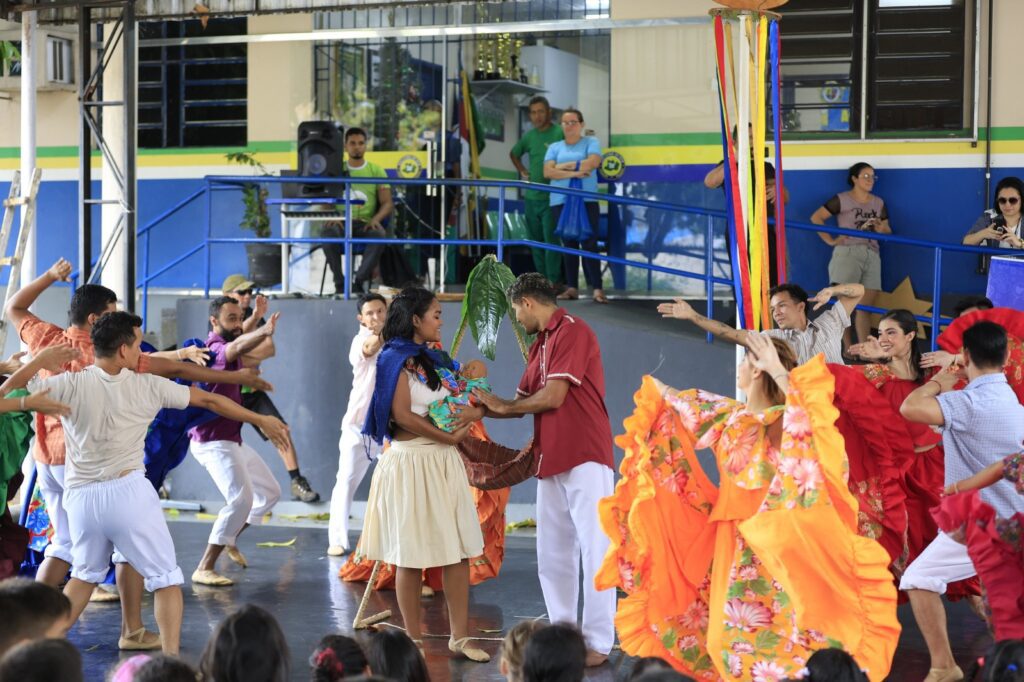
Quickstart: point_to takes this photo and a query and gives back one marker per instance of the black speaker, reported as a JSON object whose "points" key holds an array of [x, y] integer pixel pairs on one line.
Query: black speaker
{"points": [[321, 154]]}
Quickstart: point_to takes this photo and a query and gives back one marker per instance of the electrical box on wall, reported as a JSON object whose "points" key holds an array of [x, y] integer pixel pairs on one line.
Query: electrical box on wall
{"points": [[558, 73]]}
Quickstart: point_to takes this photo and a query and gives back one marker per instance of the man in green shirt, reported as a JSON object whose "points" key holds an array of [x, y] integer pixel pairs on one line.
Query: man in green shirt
{"points": [[367, 219], [539, 222]]}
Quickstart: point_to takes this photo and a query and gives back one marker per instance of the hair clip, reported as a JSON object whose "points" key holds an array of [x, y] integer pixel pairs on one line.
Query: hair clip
{"points": [[1012, 668]]}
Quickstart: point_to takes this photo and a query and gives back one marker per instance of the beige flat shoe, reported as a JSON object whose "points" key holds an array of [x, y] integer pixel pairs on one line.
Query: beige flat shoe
{"points": [[945, 674], [461, 646], [101, 596], [140, 640], [426, 592], [336, 550], [211, 578], [237, 556]]}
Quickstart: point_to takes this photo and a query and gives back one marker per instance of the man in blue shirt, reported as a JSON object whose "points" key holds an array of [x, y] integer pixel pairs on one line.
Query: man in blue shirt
{"points": [[980, 426]]}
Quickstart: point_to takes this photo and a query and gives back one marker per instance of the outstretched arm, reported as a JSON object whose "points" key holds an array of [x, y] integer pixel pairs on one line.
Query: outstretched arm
{"points": [[274, 428], [922, 406], [17, 307], [848, 295], [681, 310], [173, 369], [982, 479], [52, 359]]}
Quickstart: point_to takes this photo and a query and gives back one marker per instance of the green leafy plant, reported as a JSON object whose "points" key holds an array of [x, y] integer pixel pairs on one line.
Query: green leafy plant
{"points": [[254, 196], [8, 54], [485, 305]]}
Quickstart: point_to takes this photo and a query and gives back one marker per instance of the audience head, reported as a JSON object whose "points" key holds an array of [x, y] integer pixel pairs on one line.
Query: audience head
{"points": [[1008, 190], [413, 312], [789, 306], [239, 288], [540, 111], [355, 143], [749, 378], [513, 647], [861, 175], [970, 304], [31, 610], [226, 318], [556, 653], [128, 668], [247, 645], [533, 299], [833, 665], [393, 655], [118, 335], [373, 309], [91, 302], [1004, 662], [662, 675], [897, 334], [984, 348], [572, 125], [160, 668], [648, 664], [336, 658], [43, 660]]}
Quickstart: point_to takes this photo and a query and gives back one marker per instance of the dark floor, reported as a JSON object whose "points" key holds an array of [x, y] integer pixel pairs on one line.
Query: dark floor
{"points": [[299, 585]]}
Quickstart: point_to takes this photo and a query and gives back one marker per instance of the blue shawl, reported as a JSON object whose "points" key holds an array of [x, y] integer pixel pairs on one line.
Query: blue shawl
{"points": [[389, 369]]}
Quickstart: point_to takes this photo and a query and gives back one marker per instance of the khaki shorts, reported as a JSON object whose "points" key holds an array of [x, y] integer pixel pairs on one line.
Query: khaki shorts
{"points": [[856, 264]]}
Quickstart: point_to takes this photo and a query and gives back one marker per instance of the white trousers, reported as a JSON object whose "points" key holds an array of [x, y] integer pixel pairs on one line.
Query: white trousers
{"points": [[942, 562], [355, 452], [245, 481], [50, 481], [568, 531], [124, 512]]}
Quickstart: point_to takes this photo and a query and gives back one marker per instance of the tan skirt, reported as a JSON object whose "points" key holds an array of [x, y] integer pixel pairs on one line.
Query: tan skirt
{"points": [[420, 511]]}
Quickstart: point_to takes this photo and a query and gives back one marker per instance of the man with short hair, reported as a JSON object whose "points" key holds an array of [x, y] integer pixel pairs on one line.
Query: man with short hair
{"points": [[563, 387], [241, 475], [367, 219], [980, 425], [89, 303], [540, 223], [108, 500], [31, 610], [969, 304], [823, 334], [240, 289], [355, 452]]}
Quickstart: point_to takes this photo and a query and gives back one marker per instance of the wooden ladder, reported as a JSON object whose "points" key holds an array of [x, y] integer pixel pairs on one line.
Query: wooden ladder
{"points": [[13, 263]]}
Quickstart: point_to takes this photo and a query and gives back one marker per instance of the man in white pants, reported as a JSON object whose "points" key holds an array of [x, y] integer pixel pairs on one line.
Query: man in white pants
{"points": [[563, 387], [243, 478], [109, 502], [980, 425], [355, 451]]}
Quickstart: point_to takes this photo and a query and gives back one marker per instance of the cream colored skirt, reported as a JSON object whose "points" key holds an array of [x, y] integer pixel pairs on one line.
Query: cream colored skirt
{"points": [[420, 511]]}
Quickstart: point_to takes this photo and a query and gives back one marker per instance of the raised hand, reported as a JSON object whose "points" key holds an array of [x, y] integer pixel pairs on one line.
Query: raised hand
{"points": [[822, 297], [870, 349], [196, 354], [937, 358], [270, 326], [763, 354], [678, 309], [259, 307], [11, 364], [60, 271], [54, 358]]}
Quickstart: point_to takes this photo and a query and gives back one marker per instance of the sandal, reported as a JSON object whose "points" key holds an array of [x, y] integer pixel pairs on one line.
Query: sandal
{"points": [[460, 646], [570, 294], [138, 641], [599, 297]]}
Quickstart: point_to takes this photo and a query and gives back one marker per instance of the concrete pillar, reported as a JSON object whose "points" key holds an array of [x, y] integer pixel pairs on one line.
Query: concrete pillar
{"points": [[112, 276], [29, 69]]}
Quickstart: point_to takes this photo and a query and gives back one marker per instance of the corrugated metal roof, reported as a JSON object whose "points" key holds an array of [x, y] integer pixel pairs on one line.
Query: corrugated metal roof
{"points": [[66, 12]]}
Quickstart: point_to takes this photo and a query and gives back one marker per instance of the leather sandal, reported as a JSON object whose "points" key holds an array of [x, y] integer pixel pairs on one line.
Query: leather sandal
{"points": [[139, 640], [461, 646]]}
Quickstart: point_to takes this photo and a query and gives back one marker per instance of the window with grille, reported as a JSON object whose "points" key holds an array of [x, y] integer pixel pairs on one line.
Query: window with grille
{"points": [[58, 60]]}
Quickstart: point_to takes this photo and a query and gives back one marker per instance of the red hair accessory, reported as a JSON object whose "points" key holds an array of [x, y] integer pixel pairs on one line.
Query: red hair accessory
{"points": [[328, 659]]}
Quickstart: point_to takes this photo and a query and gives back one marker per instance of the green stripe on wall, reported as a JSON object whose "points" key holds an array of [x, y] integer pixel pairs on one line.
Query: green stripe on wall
{"points": [[63, 152], [665, 139]]}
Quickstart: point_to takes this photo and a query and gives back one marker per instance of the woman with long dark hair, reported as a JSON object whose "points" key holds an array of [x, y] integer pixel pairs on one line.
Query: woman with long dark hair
{"points": [[247, 645], [420, 513], [1001, 225]]}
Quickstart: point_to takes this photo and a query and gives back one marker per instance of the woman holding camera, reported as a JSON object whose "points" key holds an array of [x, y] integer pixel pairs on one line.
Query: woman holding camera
{"points": [[1000, 226], [856, 259]]}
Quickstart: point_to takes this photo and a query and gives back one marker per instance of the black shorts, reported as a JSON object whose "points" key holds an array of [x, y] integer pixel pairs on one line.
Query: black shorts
{"points": [[260, 403]]}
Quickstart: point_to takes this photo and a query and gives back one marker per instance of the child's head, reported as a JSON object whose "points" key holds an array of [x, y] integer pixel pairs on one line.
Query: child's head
{"points": [[31, 610], [556, 653], [392, 654], [247, 645], [1005, 662], [42, 660], [513, 647], [126, 670], [833, 665], [337, 657], [160, 668]]}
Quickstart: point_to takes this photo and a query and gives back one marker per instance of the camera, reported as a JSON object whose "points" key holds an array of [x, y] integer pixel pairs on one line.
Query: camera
{"points": [[998, 220]]}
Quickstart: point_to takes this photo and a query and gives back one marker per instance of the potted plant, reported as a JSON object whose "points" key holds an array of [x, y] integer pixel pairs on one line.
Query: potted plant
{"points": [[264, 259]]}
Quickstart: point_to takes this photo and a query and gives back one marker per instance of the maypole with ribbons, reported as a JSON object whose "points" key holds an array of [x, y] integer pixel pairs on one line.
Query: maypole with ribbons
{"points": [[747, 51]]}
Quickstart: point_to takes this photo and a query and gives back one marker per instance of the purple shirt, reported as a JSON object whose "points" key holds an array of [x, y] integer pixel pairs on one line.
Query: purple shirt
{"points": [[221, 428]]}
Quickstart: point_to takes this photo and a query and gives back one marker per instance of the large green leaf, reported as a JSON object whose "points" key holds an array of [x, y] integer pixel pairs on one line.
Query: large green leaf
{"points": [[484, 306]]}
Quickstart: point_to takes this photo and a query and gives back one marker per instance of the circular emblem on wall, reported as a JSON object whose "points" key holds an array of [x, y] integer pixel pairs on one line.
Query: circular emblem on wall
{"points": [[409, 166], [612, 165]]}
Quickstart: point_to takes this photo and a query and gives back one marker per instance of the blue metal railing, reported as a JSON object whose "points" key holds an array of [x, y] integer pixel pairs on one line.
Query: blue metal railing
{"points": [[500, 243]]}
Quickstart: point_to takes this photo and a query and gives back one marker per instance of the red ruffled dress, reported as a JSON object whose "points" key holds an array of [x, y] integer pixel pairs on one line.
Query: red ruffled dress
{"points": [[952, 340], [995, 547]]}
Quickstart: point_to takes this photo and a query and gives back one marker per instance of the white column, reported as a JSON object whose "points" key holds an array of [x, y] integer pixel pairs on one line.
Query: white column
{"points": [[113, 133], [29, 66]]}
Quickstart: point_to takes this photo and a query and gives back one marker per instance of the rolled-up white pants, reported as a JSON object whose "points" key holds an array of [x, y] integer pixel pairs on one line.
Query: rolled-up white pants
{"points": [[245, 481], [942, 562], [50, 481], [568, 531], [355, 453]]}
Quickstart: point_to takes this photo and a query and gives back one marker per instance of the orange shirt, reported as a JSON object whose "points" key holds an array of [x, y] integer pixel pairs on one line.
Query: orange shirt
{"points": [[37, 335]]}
